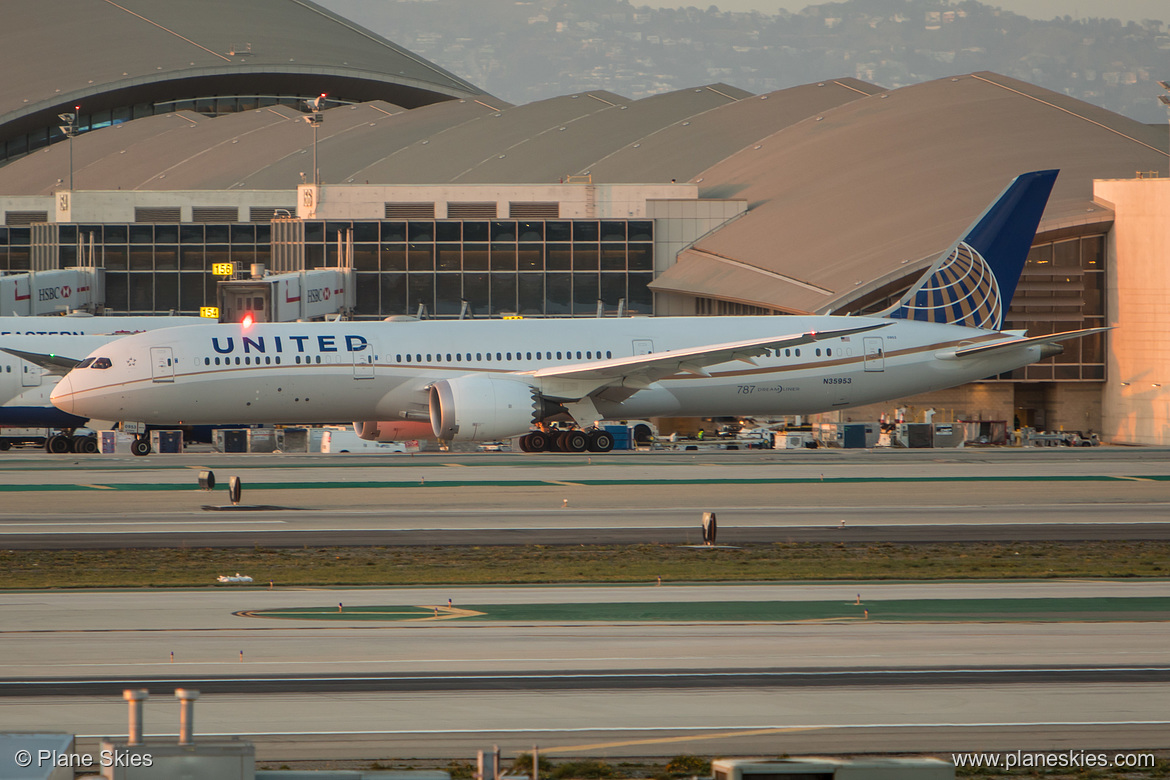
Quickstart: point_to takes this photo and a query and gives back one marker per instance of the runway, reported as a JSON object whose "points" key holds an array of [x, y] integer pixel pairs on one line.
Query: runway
{"points": [[607, 688], [349, 688], [621, 498]]}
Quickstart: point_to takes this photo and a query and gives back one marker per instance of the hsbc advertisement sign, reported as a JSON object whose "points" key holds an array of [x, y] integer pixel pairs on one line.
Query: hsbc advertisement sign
{"points": [[322, 292], [318, 295], [287, 297], [61, 292]]}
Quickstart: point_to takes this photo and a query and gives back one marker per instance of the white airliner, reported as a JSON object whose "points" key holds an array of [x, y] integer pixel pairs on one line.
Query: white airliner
{"points": [[52, 346], [482, 380]]}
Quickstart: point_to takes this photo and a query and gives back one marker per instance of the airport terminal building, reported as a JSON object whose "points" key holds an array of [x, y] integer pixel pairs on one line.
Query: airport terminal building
{"points": [[188, 150]]}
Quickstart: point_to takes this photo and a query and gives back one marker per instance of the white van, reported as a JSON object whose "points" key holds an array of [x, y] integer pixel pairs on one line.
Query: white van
{"points": [[334, 440]]}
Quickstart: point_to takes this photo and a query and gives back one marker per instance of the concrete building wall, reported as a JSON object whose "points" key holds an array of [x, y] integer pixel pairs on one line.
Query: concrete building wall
{"points": [[678, 224], [577, 201], [117, 206], [1074, 407], [1136, 404]]}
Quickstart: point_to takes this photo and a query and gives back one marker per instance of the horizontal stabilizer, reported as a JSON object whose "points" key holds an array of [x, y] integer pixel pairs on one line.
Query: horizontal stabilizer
{"points": [[58, 365], [999, 346]]}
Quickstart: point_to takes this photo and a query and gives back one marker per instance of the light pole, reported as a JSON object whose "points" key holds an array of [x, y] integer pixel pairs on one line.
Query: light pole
{"points": [[68, 126], [314, 119], [1165, 99]]}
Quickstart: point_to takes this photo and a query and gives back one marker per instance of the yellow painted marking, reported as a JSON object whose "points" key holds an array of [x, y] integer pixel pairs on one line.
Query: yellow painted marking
{"points": [[456, 465], [559, 482], [688, 738], [444, 613], [1136, 479], [448, 613], [97, 487]]}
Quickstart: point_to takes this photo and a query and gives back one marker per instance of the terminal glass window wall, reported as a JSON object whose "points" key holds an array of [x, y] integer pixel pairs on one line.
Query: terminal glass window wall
{"points": [[163, 268], [552, 268], [15, 248], [1063, 288], [555, 268]]}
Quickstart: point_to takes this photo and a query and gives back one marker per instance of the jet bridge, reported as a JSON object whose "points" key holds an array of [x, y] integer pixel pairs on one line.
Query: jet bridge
{"points": [[288, 297], [52, 292]]}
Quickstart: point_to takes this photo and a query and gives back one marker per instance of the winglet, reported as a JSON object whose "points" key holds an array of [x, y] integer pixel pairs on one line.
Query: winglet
{"points": [[972, 284]]}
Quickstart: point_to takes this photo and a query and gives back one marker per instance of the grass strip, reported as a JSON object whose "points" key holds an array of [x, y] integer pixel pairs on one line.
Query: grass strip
{"points": [[534, 564]]}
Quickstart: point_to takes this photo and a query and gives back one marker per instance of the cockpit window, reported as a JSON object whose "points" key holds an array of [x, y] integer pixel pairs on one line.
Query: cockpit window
{"points": [[85, 363], [101, 363]]}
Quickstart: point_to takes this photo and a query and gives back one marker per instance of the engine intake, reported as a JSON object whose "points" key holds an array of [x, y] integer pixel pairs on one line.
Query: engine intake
{"points": [[479, 407]]}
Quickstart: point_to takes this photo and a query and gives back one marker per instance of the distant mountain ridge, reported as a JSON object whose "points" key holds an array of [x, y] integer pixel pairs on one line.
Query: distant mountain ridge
{"points": [[529, 50], [1124, 10]]}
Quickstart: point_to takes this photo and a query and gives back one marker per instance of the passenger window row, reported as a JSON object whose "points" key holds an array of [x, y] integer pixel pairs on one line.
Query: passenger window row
{"points": [[250, 361], [500, 357], [796, 352]]}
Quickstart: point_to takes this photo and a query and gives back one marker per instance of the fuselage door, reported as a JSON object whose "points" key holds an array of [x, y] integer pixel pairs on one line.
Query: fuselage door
{"points": [[363, 362], [875, 353], [162, 364], [643, 347], [30, 375]]}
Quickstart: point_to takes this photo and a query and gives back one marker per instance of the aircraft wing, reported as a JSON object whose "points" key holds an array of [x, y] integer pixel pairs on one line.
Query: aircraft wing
{"points": [[641, 370], [58, 365], [997, 346]]}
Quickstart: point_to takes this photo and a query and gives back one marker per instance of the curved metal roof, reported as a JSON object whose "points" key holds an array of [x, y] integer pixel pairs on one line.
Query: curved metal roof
{"points": [[683, 149], [859, 196], [669, 136], [105, 55], [573, 147]]}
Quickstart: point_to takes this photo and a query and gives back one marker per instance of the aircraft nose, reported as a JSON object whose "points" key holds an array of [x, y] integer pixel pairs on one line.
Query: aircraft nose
{"points": [[62, 395]]}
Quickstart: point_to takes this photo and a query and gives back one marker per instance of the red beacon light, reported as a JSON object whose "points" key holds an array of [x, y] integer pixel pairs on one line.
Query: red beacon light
{"points": [[249, 320]]}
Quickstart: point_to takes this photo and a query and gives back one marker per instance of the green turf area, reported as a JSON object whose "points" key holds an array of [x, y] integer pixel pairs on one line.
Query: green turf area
{"points": [[535, 564], [1031, 610]]}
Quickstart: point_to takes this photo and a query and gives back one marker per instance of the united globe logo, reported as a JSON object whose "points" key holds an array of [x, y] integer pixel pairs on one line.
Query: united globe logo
{"points": [[961, 291]]}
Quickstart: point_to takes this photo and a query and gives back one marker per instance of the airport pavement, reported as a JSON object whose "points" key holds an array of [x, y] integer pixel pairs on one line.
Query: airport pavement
{"points": [[852, 685], [657, 722], [759, 496], [1019, 691]]}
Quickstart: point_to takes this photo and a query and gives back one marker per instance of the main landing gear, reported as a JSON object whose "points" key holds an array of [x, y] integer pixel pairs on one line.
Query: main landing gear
{"points": [[592, 440], [62, 443]]}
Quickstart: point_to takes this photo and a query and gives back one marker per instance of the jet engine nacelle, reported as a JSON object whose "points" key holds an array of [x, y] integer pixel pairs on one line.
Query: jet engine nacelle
{"points": [[479, 407], [393, 430]]}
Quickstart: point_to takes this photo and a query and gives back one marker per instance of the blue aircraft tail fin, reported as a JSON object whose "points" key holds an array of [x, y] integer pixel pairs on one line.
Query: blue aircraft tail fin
{"points": [[972, 283]]}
